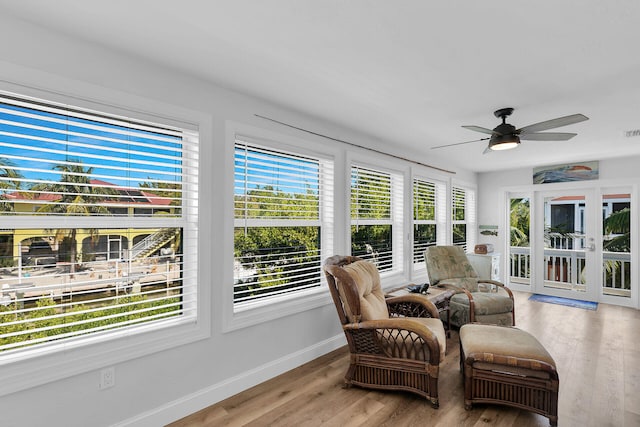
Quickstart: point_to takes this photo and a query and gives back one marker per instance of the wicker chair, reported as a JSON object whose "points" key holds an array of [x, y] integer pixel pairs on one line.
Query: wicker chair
{"points": [[388, 350], [478, 300]]}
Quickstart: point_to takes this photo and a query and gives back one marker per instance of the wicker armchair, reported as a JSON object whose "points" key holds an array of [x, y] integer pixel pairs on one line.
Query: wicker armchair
{"points": [[388, 350], [477, 300]]}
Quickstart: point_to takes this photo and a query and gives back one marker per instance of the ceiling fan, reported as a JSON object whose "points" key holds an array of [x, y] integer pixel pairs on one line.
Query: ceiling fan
{"points": [[505, 136]]}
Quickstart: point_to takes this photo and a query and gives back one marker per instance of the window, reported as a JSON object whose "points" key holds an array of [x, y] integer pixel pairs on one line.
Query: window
{"points": [[99, 224], [283, 222], [376, 217], [428, 217], [463, 208]]}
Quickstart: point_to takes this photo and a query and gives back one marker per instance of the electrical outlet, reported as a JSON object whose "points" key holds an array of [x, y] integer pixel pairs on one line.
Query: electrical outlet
{"points": [[107, 378]]}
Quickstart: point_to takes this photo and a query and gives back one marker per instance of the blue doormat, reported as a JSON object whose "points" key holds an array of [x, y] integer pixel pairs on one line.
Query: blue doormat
{"points": [[587, 305]]}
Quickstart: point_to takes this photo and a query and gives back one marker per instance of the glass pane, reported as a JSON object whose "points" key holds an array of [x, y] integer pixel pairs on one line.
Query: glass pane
{"points": [[271, 184], [564, 253], [520, 251], [460, 235], [68, 282], [424, 235], [270, 261], [616, 244], [370, 194], [57, 162], [373, 243]]}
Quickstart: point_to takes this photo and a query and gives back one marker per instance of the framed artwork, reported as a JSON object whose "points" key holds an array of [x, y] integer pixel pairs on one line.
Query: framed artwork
{"points": [[488, 230], [566, 172]]}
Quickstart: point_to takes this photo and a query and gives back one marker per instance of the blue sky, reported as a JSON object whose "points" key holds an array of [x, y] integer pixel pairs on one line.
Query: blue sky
{"points": [[36, 141]]}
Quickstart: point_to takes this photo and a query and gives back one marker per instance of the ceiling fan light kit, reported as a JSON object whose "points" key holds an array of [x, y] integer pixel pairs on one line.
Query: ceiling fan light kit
{"points": [[505, 136], [504, 142]]}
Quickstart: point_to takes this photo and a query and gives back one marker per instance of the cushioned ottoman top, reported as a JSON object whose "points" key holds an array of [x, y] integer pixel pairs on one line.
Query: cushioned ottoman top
{"points": [[508, 344]]}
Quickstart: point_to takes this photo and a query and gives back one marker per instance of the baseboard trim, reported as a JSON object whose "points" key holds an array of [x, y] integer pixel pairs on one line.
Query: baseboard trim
{"points": [[200, 399]]}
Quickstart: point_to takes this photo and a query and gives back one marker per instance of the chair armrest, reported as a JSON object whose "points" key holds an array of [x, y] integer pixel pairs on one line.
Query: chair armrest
{"points": [[459, 290], [499, 284], [412, 305]]}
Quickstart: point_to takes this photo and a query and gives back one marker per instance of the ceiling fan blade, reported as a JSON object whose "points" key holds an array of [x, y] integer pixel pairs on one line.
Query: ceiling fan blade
{"points": [[481, 129], [487, 150], [553, 123], [548, 136], [459, 143]]}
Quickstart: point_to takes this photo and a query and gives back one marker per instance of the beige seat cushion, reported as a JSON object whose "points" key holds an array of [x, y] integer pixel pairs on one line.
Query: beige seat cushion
{"points": [[486, 302], [517, 348]]}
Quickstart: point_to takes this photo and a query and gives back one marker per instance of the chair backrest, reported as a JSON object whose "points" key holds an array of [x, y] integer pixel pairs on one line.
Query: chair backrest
{"points": [[447, 262], [356, 289]]}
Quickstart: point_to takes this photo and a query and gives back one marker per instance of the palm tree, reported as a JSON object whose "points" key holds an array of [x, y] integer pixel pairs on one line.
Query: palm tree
{"points": [[9, 176], [78, 197], [618, 223], [9, 181]]}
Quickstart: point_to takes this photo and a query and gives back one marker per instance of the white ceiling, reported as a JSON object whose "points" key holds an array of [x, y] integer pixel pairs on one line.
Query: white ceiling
{"points": [[410, 72]]}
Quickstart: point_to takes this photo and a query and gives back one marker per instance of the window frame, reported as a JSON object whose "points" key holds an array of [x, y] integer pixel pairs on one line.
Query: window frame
{"points": [[265, 309], [37, 365]]}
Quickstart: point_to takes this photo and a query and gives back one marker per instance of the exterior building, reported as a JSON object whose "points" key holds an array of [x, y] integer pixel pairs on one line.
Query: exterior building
{"points": [[43, 247]]}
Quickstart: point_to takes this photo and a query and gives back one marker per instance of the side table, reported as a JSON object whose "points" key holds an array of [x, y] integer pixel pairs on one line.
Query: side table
{"points": [[440, 297]]}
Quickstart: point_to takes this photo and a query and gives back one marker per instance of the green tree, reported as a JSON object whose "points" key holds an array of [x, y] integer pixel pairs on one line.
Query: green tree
{"points": [[9, 181], [9, 176], [170, 190], [77, 197], [619, 225], [277, 253], [520, 216]]}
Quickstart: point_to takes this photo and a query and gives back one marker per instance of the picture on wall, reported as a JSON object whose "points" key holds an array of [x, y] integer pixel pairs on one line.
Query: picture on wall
{"points": [[488, 230], [566, 172]]}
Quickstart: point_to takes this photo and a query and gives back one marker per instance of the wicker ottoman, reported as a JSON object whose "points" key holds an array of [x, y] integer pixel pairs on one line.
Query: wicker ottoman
{"points": [[508, 366]]}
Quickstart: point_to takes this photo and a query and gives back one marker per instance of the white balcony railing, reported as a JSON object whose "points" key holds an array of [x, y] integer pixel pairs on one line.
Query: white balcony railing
{"points": [[565, 269]]}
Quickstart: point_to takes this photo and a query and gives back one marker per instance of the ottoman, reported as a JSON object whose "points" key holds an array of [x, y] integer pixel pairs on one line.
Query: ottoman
{"points": [[508, 366]]}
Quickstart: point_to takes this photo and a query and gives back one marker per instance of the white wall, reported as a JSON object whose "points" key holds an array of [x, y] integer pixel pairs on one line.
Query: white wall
{"points": [[161, 387]]}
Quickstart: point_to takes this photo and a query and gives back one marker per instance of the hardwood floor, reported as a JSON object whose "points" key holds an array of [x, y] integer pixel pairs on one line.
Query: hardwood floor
{"points": [[597, 354]]}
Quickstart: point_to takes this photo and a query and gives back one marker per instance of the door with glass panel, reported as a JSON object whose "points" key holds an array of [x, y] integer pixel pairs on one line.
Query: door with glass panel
{"points": [[566, 247]]}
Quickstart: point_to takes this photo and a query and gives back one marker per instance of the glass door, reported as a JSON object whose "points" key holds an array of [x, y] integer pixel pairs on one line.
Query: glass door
{"points": [[566, 247]]}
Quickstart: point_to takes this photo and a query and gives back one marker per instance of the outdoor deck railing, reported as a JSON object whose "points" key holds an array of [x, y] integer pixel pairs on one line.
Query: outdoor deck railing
{"points": [[564, 269]]}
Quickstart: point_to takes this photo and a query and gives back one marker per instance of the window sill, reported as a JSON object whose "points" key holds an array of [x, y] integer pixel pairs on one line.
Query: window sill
{"points": [[270, 309]]}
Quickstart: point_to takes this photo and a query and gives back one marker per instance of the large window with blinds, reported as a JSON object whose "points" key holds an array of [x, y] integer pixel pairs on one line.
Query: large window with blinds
{"points": [[429, 198], [376, 216], [283, 223], [463, 206], [99, 223]]}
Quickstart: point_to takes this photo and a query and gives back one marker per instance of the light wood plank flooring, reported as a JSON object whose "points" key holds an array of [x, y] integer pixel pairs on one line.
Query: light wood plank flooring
{"points": [[597, 354]]}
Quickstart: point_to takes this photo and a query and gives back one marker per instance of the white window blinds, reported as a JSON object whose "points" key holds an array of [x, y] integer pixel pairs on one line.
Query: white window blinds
{"points": [[376, 216], [428, 217], [283, 221], [99, 222], [463, 211]]}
